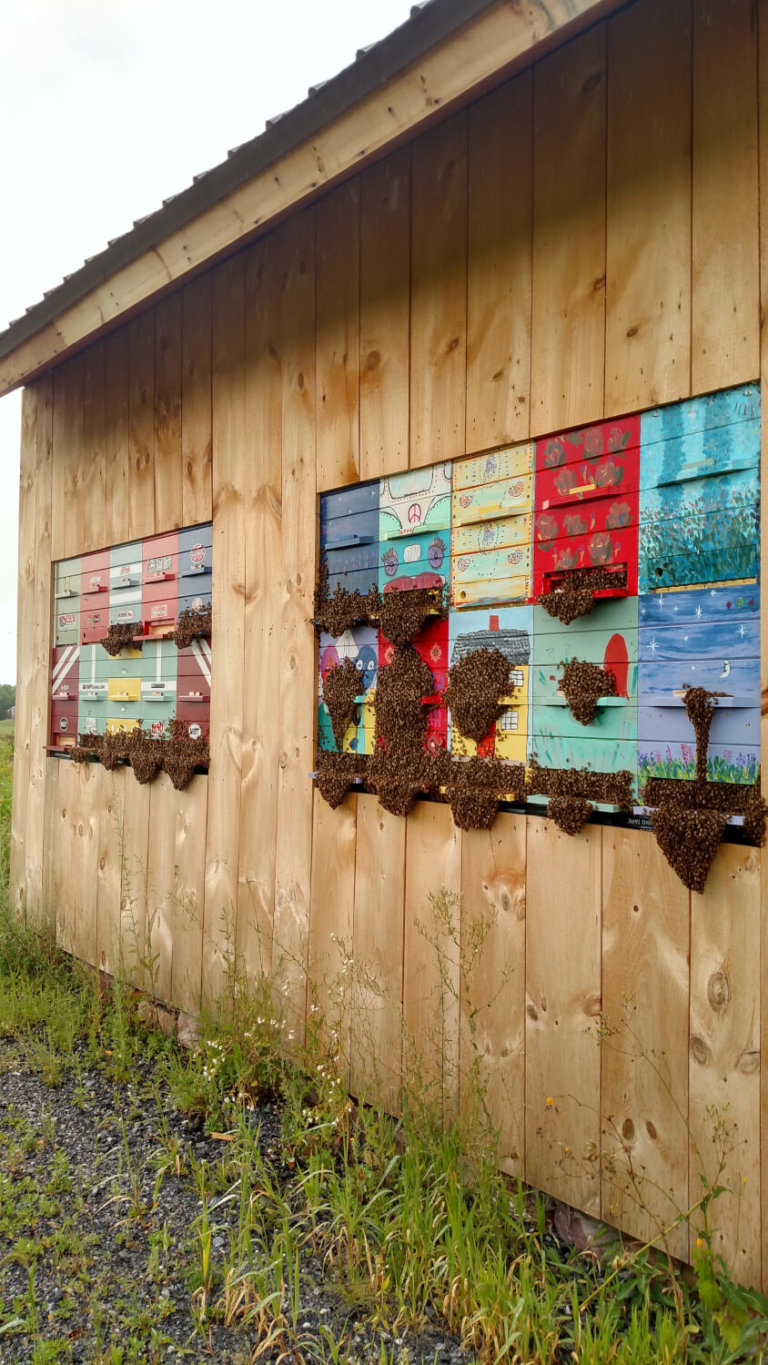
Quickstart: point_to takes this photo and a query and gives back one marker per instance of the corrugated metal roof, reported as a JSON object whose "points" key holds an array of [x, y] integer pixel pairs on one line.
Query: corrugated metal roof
{"points": [[430, 22]]}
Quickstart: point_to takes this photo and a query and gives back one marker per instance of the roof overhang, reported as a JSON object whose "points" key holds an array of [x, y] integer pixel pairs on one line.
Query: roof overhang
{"points": [[447, 53]]}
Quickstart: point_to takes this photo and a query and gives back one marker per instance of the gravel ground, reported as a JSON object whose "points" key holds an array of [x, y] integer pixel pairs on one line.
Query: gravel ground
{"points": [[96, 1265]]}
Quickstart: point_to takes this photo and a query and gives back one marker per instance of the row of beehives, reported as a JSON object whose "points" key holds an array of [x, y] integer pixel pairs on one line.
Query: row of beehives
{"points": [[669, 497], [145, 588], [655, 646]]}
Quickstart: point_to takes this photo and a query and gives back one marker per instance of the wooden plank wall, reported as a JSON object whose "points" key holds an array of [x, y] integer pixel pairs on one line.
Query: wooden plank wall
{"points": [[582, 242]]}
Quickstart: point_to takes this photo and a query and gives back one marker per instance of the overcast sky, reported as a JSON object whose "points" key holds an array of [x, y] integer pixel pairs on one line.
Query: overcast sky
{"points": [[109, 106]]}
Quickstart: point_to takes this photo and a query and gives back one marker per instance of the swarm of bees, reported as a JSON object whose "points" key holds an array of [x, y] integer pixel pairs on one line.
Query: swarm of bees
{"points": [[690, 818], [583, 684], [336, 773], [475, 684], [570, 813], [117, 637], [689, 840], [473, 807], [575, 596], [341, 685], [403, 615], [191, 625]]}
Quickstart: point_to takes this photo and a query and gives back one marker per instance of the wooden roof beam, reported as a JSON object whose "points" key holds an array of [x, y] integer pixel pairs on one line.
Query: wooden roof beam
{"points": [[483, 52]]}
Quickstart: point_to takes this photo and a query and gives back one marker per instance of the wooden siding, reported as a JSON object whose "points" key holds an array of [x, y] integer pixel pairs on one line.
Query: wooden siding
{"points": [[542, 258]]}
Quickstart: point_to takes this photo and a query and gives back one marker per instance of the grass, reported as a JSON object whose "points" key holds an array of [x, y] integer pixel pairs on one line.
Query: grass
{"points": [[402, 1225]]}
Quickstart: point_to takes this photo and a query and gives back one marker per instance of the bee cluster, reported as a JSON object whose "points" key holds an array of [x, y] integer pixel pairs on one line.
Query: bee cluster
{"points": [[575, 595], [192, 625], [583, 684], [117, 637], [570, 813], [180, 756], [689, 819], [689, 840], [475, 684], [341, 685]]}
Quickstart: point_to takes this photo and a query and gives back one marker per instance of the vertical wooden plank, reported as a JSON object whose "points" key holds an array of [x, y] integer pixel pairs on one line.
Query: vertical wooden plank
{"points": [[725, 302], [168, 366], [499, 266], [93, 454], [196, 496], [644, 1053], [297, 705], [568, 317], [562, 1059], [172, 939], [133, 836], [725, 1056], [67, 523], [431, 956], [106, 795], [333, 972], [263, 602], [155, 962], [648, 320], [120, 515], [30, 767], [493, 989], [64, 844], [229, 535], [377, 1024], [385, 308], [338, 337], [140, 513], [187, 905], [439, 293]]}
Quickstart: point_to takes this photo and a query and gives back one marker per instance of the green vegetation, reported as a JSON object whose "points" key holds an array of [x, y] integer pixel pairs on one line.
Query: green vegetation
{"points": [[231, 1202]]}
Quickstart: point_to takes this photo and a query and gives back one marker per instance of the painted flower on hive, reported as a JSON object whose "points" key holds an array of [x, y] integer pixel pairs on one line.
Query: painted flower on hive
{"points": [[567, 559], [389, 560], [565, 480], [554, 454], [593, 443], [575, 524], [600, 547], [607, 473], [618, 439], [546, 529], [619, 514]]}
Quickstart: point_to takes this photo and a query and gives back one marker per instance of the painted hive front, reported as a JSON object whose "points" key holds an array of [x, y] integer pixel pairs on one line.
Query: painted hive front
{"points": [[570, 624], [131, 657]]}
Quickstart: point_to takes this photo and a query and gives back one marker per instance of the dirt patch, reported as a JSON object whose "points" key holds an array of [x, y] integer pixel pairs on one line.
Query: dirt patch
{"points": [[583, 684], [475, 685], [575, 596], [192, 625], [341, 685], [569, 813], [689, 840], [120, 636]]}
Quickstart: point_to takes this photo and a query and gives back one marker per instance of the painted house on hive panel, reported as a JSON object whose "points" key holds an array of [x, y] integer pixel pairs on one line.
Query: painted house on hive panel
{"points": [[445, 390]]}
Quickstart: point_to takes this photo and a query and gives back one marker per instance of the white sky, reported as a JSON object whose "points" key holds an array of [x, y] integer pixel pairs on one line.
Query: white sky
{"points": [[109, 106]]}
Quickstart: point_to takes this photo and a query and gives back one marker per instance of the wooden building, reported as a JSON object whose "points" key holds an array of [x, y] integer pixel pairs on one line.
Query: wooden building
{"points": [[506, 220]]}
